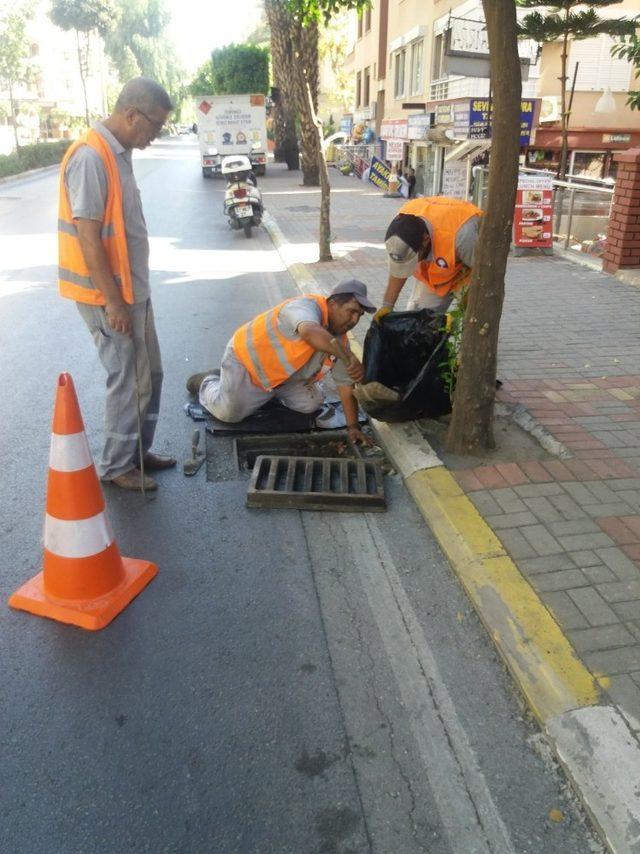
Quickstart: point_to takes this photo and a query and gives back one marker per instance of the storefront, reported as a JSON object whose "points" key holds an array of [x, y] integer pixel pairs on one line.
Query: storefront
{"points": [[458, 139], [590, 150]]}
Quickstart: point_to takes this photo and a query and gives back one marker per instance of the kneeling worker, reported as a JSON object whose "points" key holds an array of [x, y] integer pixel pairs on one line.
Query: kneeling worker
{"points": [[281, 353], [434, 240]]}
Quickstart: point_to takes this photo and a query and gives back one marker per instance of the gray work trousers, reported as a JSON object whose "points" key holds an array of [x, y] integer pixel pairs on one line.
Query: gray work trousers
{"points": [[121, 357], [233, 396]]}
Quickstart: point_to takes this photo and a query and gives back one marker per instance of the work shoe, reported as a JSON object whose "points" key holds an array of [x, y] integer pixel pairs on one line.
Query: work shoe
{"points": [[195, 380], [157, 462], [132, 480]]}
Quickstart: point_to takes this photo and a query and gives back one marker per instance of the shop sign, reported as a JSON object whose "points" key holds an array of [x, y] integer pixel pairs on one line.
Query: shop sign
{"points": [[532, 226], [346, 125], [470, 39], [454, 180], [461, 112], [394, 129], [480, 119], [394, 149], [379, 174], [362, 115], [444, 114], [616, 137], [418, 125]]}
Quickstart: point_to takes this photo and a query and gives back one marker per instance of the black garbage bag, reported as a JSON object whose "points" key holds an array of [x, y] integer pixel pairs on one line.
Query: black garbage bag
{"points": [[404, 352]]}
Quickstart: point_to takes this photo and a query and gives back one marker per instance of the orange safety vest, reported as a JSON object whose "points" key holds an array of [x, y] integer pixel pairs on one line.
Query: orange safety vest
{"points": [[268, 356], [446, 216], [74, 281]]}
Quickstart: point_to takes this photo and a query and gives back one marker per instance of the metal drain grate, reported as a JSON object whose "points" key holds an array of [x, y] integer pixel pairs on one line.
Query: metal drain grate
{"points": [[316, 483]]}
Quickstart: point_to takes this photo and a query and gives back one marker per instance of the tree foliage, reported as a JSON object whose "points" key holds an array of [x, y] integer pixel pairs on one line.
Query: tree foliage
{"points": [[326, 10], [240, 69], [202, 83], [14, 49], [629, 49], [84, 16]]}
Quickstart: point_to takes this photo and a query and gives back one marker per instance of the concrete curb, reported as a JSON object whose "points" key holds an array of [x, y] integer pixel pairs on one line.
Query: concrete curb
{"points": [[30, 173], [593, 742]]}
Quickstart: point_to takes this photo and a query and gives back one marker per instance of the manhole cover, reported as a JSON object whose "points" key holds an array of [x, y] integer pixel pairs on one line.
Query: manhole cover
{"points": [[316, 483]]}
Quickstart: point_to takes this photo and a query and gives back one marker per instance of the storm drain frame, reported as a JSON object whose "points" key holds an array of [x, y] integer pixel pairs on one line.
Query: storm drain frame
{"points": [[316, 483]]}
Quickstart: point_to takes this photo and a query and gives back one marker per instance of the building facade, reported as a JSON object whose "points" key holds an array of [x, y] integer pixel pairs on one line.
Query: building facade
{"points": [[421, 80]]}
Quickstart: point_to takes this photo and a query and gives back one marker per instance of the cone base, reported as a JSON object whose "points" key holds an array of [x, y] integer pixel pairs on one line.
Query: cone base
{"points": [[91, 614]]}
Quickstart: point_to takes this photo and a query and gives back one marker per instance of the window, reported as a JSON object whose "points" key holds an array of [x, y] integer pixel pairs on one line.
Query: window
{"points": [[360, 26], [367, 88], [597, 69], [416, 68], [367, 19], [438, 71], [399, 75], [358, 88]]}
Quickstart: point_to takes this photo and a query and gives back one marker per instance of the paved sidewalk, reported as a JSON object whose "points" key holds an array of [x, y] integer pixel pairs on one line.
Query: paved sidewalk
{"points": [[570, 355]]}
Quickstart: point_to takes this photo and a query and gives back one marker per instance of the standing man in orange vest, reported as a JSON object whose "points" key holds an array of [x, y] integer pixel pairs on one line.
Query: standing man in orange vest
{"points": [[434, 240], [104, 266], [281, 353]]}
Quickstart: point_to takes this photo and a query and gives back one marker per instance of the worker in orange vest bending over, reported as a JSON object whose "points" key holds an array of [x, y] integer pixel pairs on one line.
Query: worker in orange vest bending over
{"points": [[434, 240], [281, 353]]}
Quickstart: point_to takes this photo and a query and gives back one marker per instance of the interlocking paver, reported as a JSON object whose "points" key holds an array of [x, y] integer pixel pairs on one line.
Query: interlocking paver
{"points": [[568, 507], [593, 606], [607, 637], [565, 579], [564, 610], [584, 558], [543, 509], [485, 503], [516, 544], [623, 568], [613, 661], [599, 574], [577, 526], [541, 540], [549, 563], [511, 520]]}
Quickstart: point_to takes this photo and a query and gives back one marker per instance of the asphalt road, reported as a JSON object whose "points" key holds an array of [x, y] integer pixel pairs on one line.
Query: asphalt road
{"points": [[289, 682]]}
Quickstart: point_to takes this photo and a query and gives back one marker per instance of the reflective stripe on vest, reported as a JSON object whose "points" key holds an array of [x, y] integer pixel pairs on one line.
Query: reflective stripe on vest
{"points": [[268, 356], [446, 217], [74, 281]]}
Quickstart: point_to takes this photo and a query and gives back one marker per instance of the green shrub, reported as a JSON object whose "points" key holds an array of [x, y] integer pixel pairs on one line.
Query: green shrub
{"points": [[33, 156]]}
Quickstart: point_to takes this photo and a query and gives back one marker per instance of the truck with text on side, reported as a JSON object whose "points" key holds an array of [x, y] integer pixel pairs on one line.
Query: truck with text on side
{"points": [[231, 124]]}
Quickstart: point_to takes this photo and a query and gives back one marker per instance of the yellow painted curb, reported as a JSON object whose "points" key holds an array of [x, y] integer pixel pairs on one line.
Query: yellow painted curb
{"points": [[532, 644]]}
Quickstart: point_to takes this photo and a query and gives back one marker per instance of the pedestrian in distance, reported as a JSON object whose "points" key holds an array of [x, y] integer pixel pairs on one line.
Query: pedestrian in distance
{"points": [[282, 352], [432, 239], [104, 268]]}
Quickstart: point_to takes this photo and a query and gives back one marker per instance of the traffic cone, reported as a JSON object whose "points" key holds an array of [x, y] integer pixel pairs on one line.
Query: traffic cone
{"points": [[84, 581]]}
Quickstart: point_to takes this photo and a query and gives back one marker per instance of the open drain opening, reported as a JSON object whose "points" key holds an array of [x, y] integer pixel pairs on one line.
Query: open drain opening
{"points": [[335, 445]]}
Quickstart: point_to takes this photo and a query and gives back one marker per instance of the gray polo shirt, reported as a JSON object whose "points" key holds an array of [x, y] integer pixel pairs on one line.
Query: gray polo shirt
{"points": [[305, 310], [86, 181]]}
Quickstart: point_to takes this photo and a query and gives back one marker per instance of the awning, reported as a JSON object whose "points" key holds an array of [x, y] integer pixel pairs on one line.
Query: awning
{"points": [[467, 148]]}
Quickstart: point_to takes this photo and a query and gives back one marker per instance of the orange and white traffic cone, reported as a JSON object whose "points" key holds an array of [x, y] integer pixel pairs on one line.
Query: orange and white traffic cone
{"points": [[84, 581]]}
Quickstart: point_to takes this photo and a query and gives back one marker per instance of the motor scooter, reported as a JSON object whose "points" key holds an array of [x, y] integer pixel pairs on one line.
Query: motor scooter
{"points": [[242, 198]]}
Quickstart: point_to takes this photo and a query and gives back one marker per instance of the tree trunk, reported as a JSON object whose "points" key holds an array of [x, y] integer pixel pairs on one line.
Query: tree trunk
{"points": [[83, 80], [14, 115], [324, 237], [562, 166], [306, 73], [280, 25], [471, 427]]}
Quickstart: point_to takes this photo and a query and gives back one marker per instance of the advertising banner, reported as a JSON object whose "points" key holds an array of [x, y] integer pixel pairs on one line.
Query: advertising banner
{"points": [[480, 119], [532, 221], [379, 174]]}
